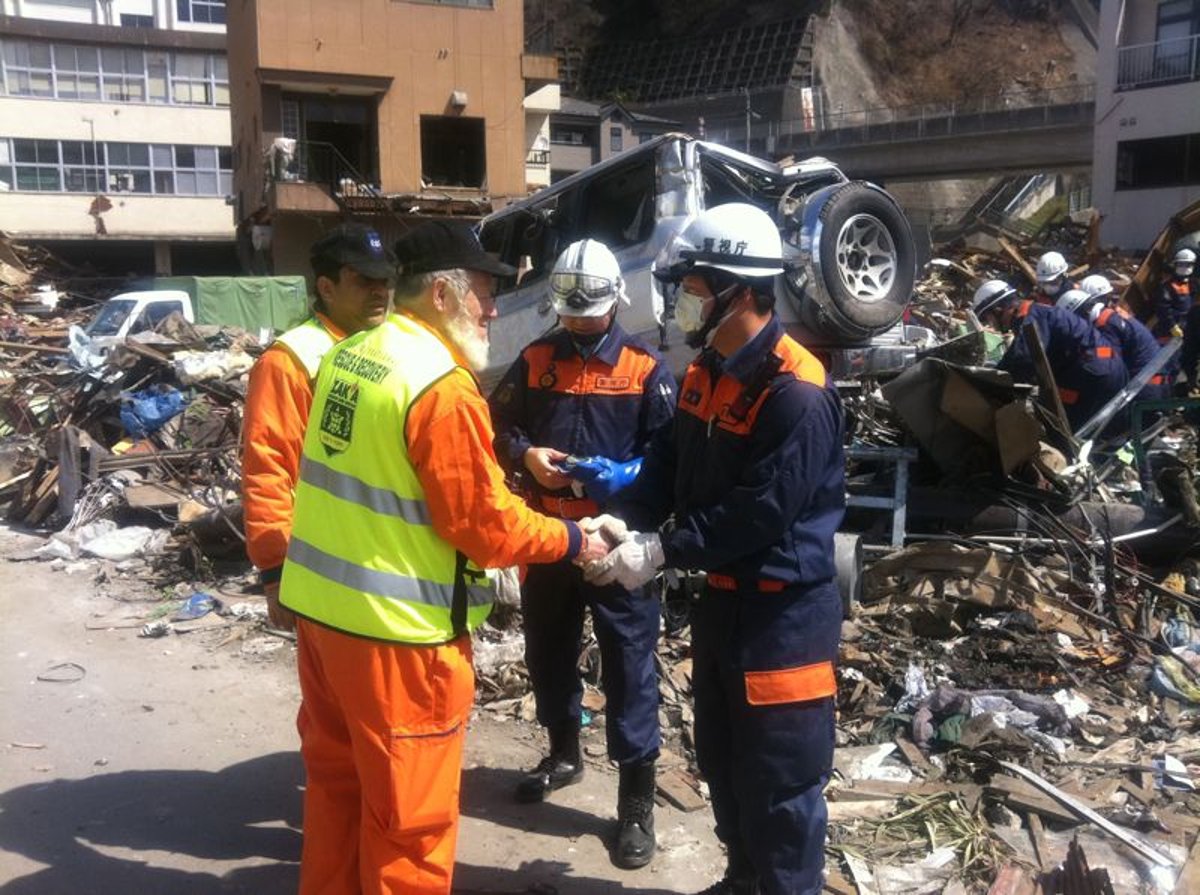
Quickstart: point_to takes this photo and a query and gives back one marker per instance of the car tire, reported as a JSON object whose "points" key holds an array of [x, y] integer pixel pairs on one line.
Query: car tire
{"points": [[867, 259]]}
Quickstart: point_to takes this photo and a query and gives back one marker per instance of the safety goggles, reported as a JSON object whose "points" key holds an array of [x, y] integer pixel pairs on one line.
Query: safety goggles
{"points": [[578, 290]]}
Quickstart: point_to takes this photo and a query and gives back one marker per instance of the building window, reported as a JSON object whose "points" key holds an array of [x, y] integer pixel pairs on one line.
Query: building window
{"points": [[645, 137], [1159, 162], [570, 136], [27, 69], [72, 71], [208, 12], [453, 151], [130, 21], [81, 174], [77, 72], [615, 139], [81, 166], [37, 165], [124, 75]]}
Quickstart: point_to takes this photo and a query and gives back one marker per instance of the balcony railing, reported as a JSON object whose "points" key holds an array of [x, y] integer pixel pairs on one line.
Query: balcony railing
{"points": [[1173, 61], [538, 158]]}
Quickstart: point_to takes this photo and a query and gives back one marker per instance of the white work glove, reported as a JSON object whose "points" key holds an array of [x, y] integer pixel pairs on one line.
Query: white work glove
{"points": [[611, 528], [631, 564]]}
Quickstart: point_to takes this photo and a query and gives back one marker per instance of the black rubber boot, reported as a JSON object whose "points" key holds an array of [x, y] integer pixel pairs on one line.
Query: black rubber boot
{"points": [[635, 816], [562, 767]]}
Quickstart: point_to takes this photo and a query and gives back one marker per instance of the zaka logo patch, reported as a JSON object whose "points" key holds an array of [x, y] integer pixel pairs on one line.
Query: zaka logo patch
{"points": [[375, 243], [337, 419]]}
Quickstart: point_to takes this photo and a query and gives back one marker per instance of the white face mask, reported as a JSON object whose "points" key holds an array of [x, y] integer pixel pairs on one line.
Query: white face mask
{"points": [[689, 311]]}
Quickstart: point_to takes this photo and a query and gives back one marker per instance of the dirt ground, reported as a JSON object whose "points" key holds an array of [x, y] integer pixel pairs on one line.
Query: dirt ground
{"points": [[169, 765]]}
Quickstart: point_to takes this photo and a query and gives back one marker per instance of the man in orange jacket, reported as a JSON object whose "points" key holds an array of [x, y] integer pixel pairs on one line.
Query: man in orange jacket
{"points": [[401, 504], [352, 273]]}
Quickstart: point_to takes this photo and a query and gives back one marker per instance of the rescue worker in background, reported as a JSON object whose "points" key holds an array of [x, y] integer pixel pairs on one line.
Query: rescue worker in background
{"points": [[352, 275], [1087, 368], [1133, 341], [1171, 311], [1052, 280], [400, 506], [748, 485], [576, 411]]}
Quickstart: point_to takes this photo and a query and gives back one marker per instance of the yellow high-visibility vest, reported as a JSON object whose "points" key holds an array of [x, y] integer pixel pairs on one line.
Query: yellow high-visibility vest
{"points": [[363, 557], [308, 343]]}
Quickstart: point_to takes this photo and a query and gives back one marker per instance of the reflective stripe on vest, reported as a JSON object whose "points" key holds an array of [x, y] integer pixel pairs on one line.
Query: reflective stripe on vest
{"points": [[308, 343], [363, 556]]}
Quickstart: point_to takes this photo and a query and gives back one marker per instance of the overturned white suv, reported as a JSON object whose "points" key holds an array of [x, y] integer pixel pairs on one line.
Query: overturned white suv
{"points": [[851, 259]]}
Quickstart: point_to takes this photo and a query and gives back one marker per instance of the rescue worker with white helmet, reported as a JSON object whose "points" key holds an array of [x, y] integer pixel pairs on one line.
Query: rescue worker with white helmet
{"points": [[1087, 367], [1098, 286], [576, 412], [1133, 341], [1168, 315], [748, 485], [1052, 282]]}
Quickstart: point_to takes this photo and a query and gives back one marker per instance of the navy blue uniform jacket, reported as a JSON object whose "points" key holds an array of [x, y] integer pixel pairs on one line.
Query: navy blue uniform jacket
{"points": [[756, 488], [608, 405]]}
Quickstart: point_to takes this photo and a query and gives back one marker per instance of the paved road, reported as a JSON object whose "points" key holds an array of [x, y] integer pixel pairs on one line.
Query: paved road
{"points": [[169, 765]]}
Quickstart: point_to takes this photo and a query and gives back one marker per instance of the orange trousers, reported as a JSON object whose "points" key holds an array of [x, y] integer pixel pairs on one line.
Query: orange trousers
{"points": [[381, 732]]}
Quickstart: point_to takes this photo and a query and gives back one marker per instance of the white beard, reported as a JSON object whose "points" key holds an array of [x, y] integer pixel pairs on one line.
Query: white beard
{"points": [[462, 332]]}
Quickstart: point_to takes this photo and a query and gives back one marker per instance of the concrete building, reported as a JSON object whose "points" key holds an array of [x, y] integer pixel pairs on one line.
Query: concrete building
{"points": [[114, 131], [583, 133], [380, 110], [1146, 163]]}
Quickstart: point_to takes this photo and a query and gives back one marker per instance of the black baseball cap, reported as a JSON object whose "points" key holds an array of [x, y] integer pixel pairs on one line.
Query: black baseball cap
{"points": [[356, 246], [446, 245]]}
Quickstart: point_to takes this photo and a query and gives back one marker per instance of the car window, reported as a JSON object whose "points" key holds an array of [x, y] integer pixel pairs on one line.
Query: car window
{"points": [[618, 207], [154, 314], [112, 314]]}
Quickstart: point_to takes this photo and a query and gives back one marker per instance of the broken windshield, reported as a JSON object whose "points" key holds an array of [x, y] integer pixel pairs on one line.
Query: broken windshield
{"points": [[112, 315]]}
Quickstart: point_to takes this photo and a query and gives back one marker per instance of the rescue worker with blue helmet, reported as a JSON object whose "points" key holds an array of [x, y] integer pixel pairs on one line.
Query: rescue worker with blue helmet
{"points": [[748, 485], [576, 411]]}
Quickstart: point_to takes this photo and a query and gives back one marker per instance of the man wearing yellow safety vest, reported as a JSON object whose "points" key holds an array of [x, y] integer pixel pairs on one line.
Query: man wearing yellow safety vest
{"points": [[400, 508], [351, 278]]}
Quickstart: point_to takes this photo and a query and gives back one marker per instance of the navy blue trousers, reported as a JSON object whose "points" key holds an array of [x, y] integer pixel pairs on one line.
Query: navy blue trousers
{"points": [[553, 600], [766, 765]]}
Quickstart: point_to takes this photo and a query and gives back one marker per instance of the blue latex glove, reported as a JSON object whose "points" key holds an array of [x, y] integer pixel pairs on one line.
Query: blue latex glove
{"points": [[601, 477]]}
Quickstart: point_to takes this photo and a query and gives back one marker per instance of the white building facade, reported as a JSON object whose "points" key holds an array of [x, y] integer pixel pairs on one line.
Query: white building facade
{"points": [[115, 131], [1146, 163]]}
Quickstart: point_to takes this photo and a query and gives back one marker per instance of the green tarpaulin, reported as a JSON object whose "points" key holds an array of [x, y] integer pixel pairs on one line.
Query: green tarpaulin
{"points": [[249, 302]]}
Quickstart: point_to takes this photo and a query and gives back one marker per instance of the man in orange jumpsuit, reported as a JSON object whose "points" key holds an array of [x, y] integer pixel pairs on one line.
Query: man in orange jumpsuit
{"points": [[352, 273], [400, 506]]}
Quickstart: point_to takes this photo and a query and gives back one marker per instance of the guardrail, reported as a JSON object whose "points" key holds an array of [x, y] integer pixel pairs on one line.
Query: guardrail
{"points": [[1172, 61], [316, 162], [1055, 107]]}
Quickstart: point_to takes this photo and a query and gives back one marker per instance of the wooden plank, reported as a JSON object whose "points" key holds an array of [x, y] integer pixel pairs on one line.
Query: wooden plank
{"points": [[1048, 395], [1014, 253], [28, 346], [1012, 880], [1023, 797], [152, 495], [1037, 835], [913, 755], [675, 786]]}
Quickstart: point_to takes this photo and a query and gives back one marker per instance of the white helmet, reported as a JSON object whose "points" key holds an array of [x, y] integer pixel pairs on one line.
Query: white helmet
{"points": [[1073, 300], [990, 295], [586, 280], [1096, 285], [1050, 267], [737, 238], [1184, 262]]}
